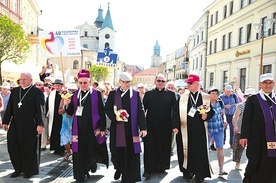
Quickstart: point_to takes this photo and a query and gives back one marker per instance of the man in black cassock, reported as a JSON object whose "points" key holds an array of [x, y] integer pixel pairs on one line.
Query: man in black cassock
{"points": [[258, 133], [23, 120], [88, 129], [158, 104], [124, 135], [191, 130]]}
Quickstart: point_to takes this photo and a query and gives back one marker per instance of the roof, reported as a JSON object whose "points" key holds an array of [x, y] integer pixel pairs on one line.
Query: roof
{"points": [[151, 71], [107, 21]]}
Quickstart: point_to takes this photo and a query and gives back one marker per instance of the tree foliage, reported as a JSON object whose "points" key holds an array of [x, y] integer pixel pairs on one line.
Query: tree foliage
{"points": [[13, 42], [98, 73]]}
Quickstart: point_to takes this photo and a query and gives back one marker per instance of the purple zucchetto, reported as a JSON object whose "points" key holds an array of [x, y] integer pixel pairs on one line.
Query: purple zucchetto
{"points": [[84, 73]]}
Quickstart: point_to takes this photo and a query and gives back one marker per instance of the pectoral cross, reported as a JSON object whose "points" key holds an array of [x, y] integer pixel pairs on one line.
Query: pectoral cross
{"points": [[19, 104]]}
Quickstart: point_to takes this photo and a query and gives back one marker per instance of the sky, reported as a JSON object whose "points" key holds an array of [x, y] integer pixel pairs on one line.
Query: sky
{"points": [[138, 23]]}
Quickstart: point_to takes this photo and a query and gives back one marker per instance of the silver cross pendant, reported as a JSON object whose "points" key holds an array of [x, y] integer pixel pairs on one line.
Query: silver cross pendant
{"points": [[19, 104]]}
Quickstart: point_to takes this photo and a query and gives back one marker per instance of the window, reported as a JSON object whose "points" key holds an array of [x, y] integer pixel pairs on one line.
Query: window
{"points": [[75, 64], [274, 25], [193, 64], [224, 11], [242, 78], [240, 35], [242, 4], [87, 64], [85, 45], [211, 21], [85, 33], [231, 8], [223, 42], [194, 41], [225, 77], [196, 62], [210, 47], [202, 36], [15, 4], [201, 60], [229, 39], [211, 79], [264, 26], [216, 18], [267, 69], [107, 36], [248, 36], [250, 1], [197, 39], [215, 46], [5, 2]]}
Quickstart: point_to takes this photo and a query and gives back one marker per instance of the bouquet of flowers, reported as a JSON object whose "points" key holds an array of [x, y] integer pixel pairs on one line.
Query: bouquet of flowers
{"points": [[121, 115], [65, 94], [203, 109]]}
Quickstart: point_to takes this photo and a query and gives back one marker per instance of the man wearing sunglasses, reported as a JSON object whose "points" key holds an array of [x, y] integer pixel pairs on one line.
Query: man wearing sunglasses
{"points": [[189, 125], [88, 129], [158, 104], [258, 133], [128, 123]]}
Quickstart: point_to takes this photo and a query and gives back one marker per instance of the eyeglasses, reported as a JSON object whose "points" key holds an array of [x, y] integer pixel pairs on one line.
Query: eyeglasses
{"points": [[159, 81], [190, 83], [268, 83], [125, 82], [83, 83], [38, 84]]}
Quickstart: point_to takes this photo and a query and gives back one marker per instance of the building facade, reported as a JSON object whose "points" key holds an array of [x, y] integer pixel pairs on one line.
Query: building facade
{"points": [[234, 45], [25, 13], [197, 48]]}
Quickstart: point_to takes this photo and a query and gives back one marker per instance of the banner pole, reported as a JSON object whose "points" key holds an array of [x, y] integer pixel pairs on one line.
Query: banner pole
{"points": [[62, 70]]}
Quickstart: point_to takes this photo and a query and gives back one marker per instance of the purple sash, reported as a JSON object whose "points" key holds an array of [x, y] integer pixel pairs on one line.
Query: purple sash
{"points": [[120, 127], [95, 119], [269, 125]]}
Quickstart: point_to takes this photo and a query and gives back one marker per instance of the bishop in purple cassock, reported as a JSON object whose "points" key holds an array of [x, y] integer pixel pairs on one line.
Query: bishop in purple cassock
{"points": [[88, 130], [259, 134]]}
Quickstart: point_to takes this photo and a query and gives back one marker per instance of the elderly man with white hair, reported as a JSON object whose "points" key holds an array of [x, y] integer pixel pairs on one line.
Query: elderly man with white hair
{"points": [[258, 133]]}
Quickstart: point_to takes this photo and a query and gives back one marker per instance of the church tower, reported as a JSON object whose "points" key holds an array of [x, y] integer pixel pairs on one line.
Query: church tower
{"points": [[156, 59], [107, 33], [99, 20]]}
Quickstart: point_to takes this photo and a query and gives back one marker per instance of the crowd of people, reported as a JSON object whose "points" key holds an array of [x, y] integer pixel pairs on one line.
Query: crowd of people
{"points": [[75, 120]]}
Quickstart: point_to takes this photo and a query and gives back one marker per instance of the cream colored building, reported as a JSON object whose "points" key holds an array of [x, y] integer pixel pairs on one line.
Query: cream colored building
{"points": [[170, 66], [233, 47], [197, 48]]}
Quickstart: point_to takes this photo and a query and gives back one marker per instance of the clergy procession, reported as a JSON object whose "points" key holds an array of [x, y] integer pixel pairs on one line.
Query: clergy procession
{"points": [[138, 130]]}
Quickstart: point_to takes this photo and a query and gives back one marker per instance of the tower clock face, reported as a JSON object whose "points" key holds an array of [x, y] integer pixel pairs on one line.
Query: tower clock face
{"points": [[107, 36]]}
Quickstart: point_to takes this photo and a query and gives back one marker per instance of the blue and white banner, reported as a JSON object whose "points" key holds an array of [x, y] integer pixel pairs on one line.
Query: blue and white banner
{"points": [[107, 58]]}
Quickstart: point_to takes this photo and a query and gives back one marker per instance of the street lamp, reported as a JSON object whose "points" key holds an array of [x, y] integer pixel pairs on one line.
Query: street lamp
{"points": [[260, 29]]}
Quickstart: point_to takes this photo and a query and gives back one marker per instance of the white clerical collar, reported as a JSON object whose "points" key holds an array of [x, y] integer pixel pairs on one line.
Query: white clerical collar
{"points": [[26, 87], [90, 89], [262, 94], [130, 92]]}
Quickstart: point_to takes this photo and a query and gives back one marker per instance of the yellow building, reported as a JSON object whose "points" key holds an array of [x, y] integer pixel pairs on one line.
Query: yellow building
{"points": [[234, 45]]}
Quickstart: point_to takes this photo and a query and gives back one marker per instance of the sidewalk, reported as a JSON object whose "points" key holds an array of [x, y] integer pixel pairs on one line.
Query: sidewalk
{"points": [[54, 169]]}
